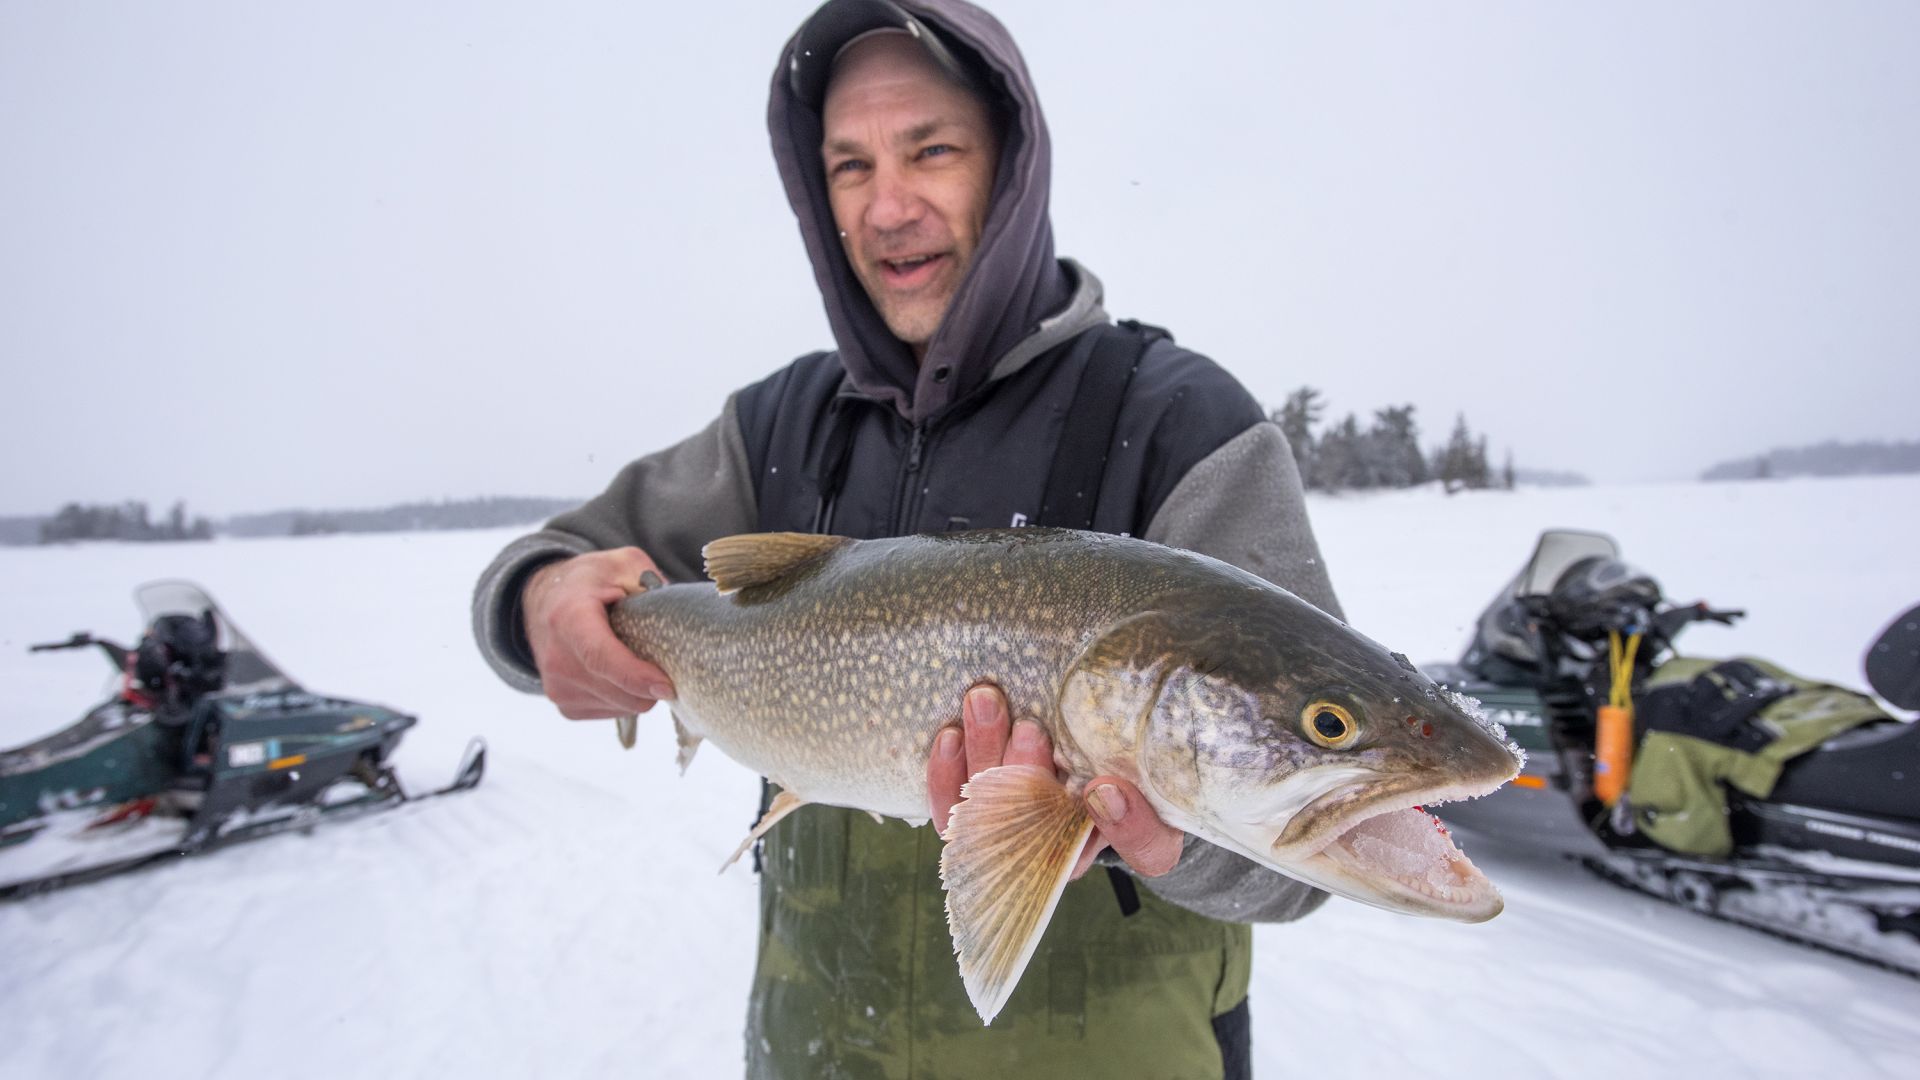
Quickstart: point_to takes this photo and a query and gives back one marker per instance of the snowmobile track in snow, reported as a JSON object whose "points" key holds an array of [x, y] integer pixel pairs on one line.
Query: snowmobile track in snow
{"points": [[1608, 873]]}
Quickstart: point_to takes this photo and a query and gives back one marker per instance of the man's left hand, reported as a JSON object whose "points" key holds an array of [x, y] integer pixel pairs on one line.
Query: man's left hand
{"points": [[1123, 819]]}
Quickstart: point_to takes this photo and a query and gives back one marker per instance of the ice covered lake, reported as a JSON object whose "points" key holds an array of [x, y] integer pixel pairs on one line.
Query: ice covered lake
{"points": [[565, 919]]}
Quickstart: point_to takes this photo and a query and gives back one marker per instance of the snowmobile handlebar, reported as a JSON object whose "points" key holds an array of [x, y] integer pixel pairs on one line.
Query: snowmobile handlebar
{"points": [[116, 653], [80, 639], [1671, 620]]}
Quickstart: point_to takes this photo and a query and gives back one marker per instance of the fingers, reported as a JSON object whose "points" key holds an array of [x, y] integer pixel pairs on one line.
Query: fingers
{"points": [[946, 773], [604, 657], [584, 669], [1131, 827], [984, 740], [588, 673], [1123, 818], [983, 716], [629, 570], [1029, 745], [604, 577]]}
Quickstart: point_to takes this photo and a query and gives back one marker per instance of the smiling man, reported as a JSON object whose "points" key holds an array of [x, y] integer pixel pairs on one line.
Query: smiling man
{"points": [[910, 156], [976, 382]]}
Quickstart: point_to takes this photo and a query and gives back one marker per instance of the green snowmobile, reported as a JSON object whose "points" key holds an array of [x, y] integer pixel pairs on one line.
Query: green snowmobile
{"points": [[1732, 787], [204, 741]]}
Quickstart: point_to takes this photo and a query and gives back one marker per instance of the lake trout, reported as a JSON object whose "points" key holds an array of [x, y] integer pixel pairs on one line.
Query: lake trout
{"points": [[1245, 715]]}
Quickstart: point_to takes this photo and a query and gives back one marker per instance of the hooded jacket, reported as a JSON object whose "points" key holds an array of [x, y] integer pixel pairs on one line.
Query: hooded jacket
{"points": [[1014, 282], [950, 443]]}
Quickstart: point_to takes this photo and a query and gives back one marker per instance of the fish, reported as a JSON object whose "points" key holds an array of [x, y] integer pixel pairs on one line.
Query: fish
{"points": [[1245, 715]]}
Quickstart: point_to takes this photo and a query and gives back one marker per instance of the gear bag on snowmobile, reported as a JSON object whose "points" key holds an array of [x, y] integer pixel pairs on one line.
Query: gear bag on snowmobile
{"points": [[1707, 725]]}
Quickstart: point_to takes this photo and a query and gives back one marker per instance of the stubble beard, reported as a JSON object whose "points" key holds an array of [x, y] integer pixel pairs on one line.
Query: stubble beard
{"points": [[914, 321]]}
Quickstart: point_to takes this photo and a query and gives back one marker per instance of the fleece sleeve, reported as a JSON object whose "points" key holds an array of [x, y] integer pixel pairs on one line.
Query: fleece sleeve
{"points": [[668, 504], [1243, 504]]}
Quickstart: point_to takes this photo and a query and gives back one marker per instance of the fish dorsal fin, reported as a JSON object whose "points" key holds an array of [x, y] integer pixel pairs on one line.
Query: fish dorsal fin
{"points": [[1011, 845], [741, 562]]}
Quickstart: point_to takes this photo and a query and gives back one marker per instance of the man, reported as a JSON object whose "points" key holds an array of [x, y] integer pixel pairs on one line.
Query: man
{"points": [[973, 373]]}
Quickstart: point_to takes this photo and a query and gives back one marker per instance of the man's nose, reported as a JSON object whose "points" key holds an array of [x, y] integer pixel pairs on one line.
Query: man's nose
{"points": [[896, 203]]}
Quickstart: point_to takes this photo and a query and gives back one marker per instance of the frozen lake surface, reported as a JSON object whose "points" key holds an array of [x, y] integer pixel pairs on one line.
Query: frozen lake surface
{"points": [[564, 919]]}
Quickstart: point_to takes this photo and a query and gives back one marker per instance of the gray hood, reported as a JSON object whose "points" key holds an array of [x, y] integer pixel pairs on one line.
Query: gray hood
{"points": [[1014, 284]]}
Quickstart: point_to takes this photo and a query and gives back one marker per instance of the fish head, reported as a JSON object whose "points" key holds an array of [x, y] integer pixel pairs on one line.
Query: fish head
{"points": [[1288, 737]]}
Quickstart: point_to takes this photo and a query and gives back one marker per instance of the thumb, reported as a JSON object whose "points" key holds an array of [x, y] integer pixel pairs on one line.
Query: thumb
{"points": [[1128, 823]]}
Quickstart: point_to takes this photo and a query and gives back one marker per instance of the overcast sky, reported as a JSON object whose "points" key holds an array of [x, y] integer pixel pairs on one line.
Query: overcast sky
{"points": [[352, 253]]}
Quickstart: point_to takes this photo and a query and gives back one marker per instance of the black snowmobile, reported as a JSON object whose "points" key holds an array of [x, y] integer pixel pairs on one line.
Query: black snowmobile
{"points": [[1731, 787], [204, 741]]}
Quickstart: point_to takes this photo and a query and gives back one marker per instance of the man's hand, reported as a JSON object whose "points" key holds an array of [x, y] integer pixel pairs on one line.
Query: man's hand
{"points": [[1122, 817], [584, 669]]}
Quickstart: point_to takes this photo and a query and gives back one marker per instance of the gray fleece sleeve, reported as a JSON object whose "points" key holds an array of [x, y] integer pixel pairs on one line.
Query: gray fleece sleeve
{"points": [[1243, 504], [668, 504]]}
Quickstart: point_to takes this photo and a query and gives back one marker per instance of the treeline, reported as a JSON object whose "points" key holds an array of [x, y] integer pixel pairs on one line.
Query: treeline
{"points": [[128, 521], [483, 513], [132, 520], [1830, 458], [20, 531], [1385, 454]]}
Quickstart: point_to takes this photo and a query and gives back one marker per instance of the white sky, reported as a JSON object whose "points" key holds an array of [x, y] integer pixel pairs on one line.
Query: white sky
{"points": [[352, 253]]}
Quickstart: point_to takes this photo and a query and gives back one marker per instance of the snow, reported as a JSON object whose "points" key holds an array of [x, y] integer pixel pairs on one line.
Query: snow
{"points": [[565, 919]]}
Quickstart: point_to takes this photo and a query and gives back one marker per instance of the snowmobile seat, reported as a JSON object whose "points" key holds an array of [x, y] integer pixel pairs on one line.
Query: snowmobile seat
{"points": [[1869, 770]]}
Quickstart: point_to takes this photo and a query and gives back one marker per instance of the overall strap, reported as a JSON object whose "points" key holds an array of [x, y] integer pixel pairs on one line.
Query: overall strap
{"points": [[1072, 499], [827, 463]]}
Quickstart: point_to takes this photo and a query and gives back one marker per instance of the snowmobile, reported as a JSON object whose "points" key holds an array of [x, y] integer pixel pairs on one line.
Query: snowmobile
{"points": [[1733, 788], [203, 741]]}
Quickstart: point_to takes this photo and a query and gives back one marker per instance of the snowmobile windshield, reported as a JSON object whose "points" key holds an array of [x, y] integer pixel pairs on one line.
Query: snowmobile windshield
{"points": [[1558, 550], [1504, 633], [247, 668]]}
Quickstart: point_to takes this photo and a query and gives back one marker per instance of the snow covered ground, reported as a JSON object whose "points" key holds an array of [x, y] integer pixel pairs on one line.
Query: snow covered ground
{"points": [[564, 919]]}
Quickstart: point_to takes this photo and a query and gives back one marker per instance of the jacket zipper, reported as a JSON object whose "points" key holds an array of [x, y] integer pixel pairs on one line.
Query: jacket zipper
{"points": [[906, 499]]}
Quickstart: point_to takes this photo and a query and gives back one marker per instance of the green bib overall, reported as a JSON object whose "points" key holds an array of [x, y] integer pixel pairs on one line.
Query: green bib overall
{"points": [[857, 977]]}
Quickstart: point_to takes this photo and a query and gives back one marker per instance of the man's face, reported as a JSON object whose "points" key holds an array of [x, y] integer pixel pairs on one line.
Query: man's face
{"points": [[910, 159]]}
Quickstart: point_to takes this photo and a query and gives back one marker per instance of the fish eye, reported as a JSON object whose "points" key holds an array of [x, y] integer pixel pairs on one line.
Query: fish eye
{"points": [[1330, 725]]}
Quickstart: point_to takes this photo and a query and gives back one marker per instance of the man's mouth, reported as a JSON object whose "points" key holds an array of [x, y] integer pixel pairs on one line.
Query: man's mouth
{"points": [[910, 271]]}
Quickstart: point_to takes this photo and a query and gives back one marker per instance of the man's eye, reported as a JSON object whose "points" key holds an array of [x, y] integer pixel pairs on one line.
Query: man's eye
{"points": [[936, 150], [848, 166]]}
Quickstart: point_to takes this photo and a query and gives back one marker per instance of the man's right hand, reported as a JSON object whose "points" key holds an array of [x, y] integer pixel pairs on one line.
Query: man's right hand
{"points": [[584, 669]]}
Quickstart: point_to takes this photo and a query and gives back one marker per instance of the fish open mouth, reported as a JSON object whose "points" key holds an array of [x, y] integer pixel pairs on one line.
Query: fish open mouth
{"points": [[1406, 859], [1377, 844]]}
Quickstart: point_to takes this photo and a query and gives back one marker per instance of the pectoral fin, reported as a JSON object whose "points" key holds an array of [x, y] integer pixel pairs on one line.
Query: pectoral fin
{"points": [[628, 728], [784, 803], [689, 744], [1011, 845]]}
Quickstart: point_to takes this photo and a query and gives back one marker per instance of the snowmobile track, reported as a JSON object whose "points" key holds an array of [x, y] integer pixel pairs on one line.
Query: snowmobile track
{"points": [[1600, 869]]}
